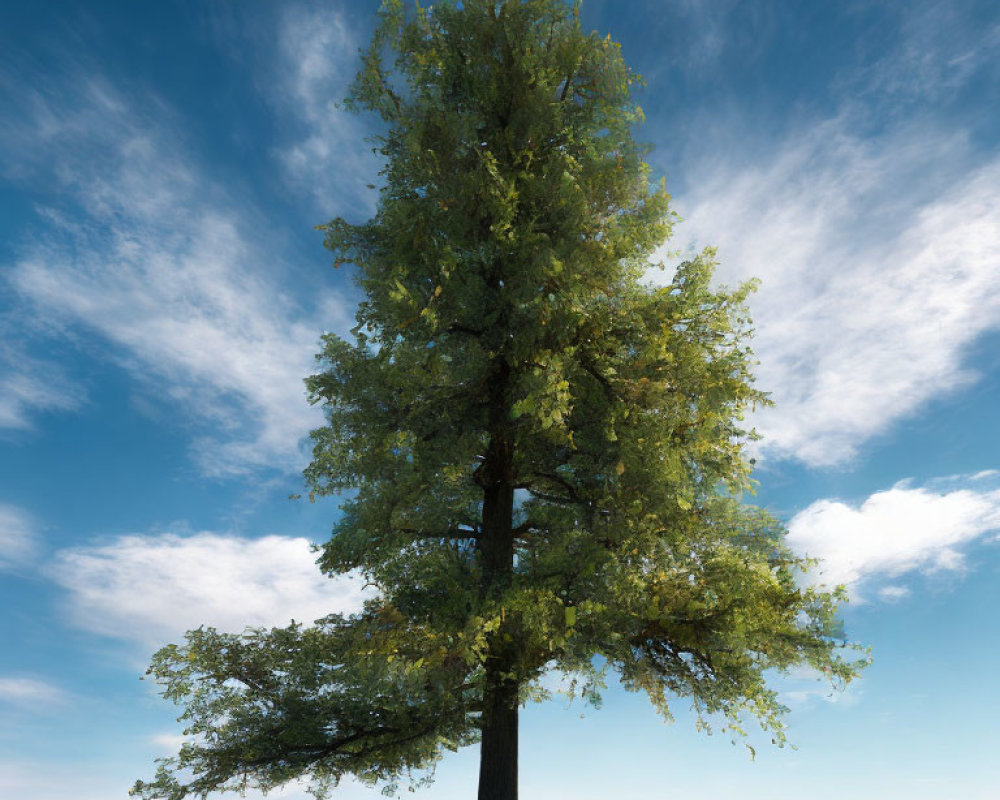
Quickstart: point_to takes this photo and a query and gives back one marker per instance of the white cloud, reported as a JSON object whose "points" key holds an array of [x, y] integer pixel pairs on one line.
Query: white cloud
{"points": [[875, 230], [328, 156], [150, 589], [984, 474], [18, 537], [168, 269], [940, 48], [880, 264], [892, 594], [167, 743], [24, 394], [29, 693], [29, 386], [892, 533], [803, 687]]}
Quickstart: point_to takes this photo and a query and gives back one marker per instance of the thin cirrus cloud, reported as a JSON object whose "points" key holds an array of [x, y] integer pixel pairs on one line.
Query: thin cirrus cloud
{"points": [[878, 261], [804, 687], [896, 532], [150, 589], [874, 229], [941, 47], [326, 155], [30, 693], [19, 541], [165, 267], [30, 386]]}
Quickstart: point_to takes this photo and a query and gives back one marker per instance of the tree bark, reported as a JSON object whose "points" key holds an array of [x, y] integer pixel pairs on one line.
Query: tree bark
{"points": [[498, 753]]}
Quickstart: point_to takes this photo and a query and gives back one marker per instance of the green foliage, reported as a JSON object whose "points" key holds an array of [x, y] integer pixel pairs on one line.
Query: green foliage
{"points": [[264, 707], [508, 348]]}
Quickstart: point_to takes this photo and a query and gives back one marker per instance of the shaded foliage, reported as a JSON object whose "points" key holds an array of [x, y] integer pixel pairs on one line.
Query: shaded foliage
{"points": [[547, 454]]}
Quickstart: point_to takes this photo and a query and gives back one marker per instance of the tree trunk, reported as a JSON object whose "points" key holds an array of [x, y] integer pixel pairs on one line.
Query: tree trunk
{"points": [[498, 752], [498, 755]]}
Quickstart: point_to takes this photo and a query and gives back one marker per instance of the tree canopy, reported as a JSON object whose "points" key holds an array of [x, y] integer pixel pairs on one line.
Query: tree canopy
{"points": [[543, 457]]}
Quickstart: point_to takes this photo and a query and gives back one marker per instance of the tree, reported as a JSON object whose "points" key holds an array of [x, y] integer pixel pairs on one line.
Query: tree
{"points": [[547, 455]]}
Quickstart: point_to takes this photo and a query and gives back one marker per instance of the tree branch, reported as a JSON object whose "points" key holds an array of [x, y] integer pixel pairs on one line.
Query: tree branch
{"points": [[589, 367], [451, 533], [552, 498], [457, 328]]}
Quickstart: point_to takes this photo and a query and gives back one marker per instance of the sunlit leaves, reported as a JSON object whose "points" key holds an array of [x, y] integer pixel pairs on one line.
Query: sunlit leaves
{"points": [[504, 305]]}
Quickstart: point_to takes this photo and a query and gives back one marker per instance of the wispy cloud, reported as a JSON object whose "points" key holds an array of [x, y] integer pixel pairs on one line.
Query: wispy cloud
{"points": [[874, 227], [30, 693], [150, 589], [18, 537], [892, 594], [326, 155], [894, 532], [940, 47], [879, 266], [167, 743], [805, 688], [30, 386], [166, 267]]}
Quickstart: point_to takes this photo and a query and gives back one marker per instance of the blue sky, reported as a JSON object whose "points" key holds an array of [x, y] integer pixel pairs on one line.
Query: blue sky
{"points": [[162, 292]]}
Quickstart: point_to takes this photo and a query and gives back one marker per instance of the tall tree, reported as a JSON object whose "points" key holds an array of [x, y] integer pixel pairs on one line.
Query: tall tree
{"points": [[547, 453]]}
